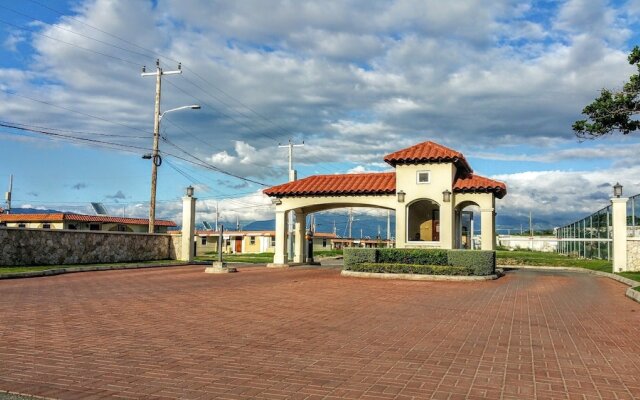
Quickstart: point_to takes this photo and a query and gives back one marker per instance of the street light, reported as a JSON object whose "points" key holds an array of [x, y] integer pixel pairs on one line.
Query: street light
{"points": [[157, 160]]}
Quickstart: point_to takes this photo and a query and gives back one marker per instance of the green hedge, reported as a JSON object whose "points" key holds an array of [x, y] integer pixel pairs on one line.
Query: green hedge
{"points": [[353, 256], [413, 256], [478, 262], [412, 269], [483, 262]]}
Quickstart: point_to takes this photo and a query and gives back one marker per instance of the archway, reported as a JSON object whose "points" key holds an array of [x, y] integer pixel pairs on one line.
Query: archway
{"points": [[423, 221], [466, 224]]}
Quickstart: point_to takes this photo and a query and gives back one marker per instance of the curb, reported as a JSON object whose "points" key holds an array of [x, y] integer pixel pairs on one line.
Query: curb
{"points": [[418, 277], [632, 294], [60, 271]]}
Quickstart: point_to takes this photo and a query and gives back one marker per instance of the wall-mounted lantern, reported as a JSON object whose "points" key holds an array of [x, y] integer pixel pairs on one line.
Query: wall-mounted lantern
{"points": [[446, 196], [401, 195], [190, 191], [617, 190], [276, 201]]}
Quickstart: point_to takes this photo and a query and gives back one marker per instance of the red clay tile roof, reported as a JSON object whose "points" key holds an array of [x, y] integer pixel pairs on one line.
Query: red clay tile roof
{"points": [[427, 152], [59, 217], [373, 183], [352, 184], [475, 183]]}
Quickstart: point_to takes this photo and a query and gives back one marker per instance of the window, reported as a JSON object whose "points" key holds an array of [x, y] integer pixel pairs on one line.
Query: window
{"points": [[46, 226], [203, 240], [228, 242], [22, 225], [73, 227], [252, 240], [273, 241], [324, 242], [94, 227], [423, 177], [121, 228]]}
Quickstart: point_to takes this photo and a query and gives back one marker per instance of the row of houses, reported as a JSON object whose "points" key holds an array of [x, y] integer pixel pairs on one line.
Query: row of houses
{"points": [[234, 242]]}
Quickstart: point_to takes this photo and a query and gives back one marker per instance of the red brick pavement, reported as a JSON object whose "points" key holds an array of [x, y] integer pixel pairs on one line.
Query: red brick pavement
{"points": [[311, 334]]}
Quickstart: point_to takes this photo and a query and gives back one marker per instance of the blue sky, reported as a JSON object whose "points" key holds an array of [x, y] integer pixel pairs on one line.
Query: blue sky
{"points": [[501, 82]]}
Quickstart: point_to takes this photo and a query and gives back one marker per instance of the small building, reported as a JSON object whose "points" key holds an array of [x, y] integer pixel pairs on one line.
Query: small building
{"points": [[429, 189], [82, 222], [341, 243], [251, 242]]}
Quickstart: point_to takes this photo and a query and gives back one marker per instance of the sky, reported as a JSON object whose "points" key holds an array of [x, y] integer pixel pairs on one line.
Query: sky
{"points": [[500, 81]]}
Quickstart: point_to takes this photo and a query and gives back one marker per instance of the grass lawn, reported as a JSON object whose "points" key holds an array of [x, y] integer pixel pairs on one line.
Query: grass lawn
{"points": [[36, 268], [259, 258], [549, 259]]}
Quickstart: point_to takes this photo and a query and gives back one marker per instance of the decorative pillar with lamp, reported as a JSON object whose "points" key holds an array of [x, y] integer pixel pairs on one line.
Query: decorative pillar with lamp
{"points": [[619, 229]]}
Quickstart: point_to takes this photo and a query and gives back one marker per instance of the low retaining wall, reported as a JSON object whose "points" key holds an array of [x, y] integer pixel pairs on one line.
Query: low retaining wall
{"points": [[20, 246]]}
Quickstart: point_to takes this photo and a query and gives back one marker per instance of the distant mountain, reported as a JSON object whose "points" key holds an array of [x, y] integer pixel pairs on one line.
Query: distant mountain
{"points": [[34, 211]]}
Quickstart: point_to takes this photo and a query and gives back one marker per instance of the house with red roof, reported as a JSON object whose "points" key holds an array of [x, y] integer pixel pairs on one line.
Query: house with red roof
{"points": [[84, 222], [430, 186]]}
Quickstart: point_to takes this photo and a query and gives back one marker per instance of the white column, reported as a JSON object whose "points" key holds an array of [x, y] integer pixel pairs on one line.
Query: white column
{"points": [[619, 233], [300, 231], [401, 225], [487, 228], [447, 225], [188, 226], [280, 256]]}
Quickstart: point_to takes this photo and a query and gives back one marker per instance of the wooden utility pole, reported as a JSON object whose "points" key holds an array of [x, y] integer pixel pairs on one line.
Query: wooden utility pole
{"points": [[155, 156]]}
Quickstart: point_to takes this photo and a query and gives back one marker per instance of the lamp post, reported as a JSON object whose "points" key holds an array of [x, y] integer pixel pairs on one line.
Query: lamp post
{"points": [[617, 190], [157, 161]]}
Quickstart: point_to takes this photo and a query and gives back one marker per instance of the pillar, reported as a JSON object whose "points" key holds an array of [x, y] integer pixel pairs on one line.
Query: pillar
{"points": [[447, 225], [280, 256], [619, 233], [300, 231], [188, 226], [487, 229]]}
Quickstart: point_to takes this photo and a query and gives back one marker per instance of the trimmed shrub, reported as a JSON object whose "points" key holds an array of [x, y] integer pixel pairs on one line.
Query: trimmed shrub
{"points": [[353, 256], [391, 268], [413, 256], [482, 262]]}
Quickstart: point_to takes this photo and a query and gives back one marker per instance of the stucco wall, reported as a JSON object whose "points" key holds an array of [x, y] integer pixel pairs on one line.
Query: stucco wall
{"points": [[175, 247], [633, 254], [59, 247]]}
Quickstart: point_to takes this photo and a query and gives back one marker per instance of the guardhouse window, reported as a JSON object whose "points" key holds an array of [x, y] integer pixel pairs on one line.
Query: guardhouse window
{"points": [[423, 177]]}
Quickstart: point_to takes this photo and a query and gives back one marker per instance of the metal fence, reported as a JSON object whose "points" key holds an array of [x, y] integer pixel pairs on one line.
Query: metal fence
{"points": [[591, 237]]}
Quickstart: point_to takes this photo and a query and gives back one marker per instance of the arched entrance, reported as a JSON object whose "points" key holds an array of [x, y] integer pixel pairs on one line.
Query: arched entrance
{"points": [[466, 223], [423, 221]]}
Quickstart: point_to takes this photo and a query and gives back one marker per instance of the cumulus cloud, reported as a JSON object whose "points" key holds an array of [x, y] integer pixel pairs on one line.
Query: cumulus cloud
{"points": [[117, 196], [79, 186], [355, 79]]}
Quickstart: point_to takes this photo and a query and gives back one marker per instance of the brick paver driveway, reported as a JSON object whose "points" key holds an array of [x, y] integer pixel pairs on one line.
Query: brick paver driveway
{"points": [[180, 333]]}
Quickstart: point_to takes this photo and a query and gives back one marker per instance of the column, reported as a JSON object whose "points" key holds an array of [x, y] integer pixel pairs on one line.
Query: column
{"points": [[280, 256], [619, 233], [401, 226], [188, 226], [447, 225], [487, 228], [300, 231]]}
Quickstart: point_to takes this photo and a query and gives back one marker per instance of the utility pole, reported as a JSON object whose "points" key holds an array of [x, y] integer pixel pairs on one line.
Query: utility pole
{"points": [[292, 177], [350, 222], [217, 216], [530, 225], [7, 196], [335, 232], [156, 160]]}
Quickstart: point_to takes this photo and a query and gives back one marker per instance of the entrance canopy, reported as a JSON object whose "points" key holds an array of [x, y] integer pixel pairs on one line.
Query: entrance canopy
{"points": [[424, 190]]}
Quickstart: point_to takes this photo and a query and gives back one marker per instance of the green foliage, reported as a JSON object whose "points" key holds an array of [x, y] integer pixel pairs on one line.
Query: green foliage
{"points": [[354, 256], [413, 256], [479, 261], [392, 268], [613, 111], [550, 259]]}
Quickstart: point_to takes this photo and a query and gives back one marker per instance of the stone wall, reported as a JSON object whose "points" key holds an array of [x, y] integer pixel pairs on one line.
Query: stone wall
{"points": [[20, 246], [633, 254], [175, 247]]}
